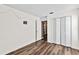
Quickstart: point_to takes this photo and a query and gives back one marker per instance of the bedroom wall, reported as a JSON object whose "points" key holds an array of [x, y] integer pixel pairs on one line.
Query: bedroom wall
{"points": [[13, 33]]}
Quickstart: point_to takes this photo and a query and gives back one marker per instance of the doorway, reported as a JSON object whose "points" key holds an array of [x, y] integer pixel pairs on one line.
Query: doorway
{"points": [[44, 30]]}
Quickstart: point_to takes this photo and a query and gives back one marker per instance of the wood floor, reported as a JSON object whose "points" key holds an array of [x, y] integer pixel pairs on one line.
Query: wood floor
{"points": [[44, 48]]}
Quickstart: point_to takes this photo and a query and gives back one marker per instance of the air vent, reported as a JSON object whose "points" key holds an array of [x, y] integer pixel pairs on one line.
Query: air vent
{"points": [[51, 12]]}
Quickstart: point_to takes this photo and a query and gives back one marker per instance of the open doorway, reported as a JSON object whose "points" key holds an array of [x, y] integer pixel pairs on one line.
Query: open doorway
{"points": [[44, 30]]}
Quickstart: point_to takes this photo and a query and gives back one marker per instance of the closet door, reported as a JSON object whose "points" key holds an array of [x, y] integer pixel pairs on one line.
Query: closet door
{"points": [[58, 31], [68, 31], [63, 31]]}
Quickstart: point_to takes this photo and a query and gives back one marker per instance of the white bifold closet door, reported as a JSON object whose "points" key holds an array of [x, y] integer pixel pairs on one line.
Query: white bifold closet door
{"points": [[63, 31]]}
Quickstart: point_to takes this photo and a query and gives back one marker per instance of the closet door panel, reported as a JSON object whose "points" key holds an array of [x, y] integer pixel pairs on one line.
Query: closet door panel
{"points": [[63, 31], [68, 31], [58, 31]]}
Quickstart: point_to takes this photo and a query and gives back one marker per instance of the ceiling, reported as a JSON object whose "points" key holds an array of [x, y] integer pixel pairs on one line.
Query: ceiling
{"points": [[42, 9]]}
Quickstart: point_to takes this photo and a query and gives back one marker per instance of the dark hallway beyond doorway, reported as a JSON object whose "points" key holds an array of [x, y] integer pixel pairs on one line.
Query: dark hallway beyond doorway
{"points": [[44, 30]]}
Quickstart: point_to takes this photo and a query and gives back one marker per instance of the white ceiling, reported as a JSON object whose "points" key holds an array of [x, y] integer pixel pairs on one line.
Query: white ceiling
{"points": [[42, 9]]}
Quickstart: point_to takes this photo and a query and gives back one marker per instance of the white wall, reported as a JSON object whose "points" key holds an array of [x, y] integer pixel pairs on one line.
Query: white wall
{"points": [[75, 39], [50, 30], [13, 33], [58, 30], [39, 33], [69, 35]]}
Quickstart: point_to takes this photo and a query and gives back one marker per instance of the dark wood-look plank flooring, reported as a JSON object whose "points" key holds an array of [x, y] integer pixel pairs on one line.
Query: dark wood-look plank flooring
{"points": [[42, 47]]}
